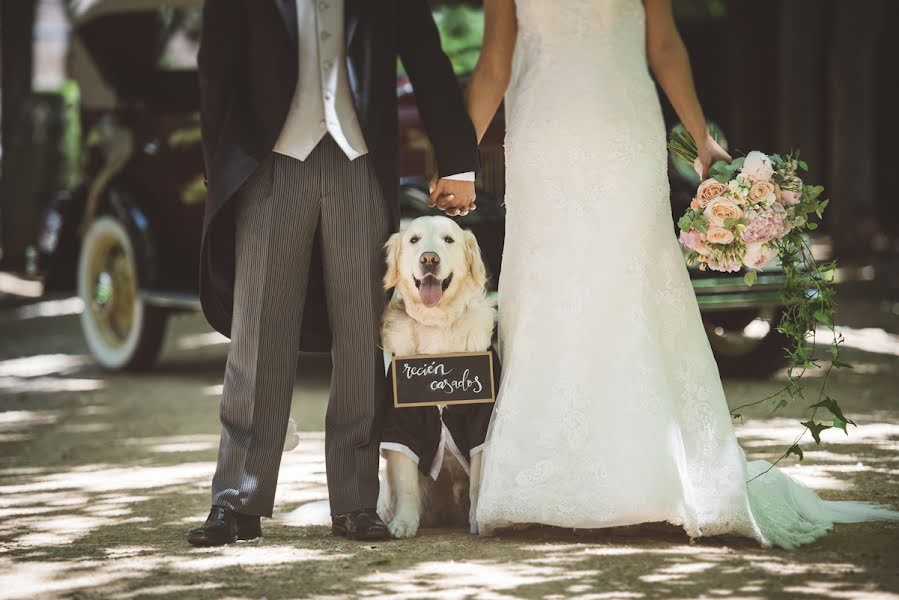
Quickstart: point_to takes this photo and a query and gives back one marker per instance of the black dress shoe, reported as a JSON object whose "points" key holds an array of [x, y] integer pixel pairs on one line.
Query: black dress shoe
{"points": [[360, 525], [224, 526]]}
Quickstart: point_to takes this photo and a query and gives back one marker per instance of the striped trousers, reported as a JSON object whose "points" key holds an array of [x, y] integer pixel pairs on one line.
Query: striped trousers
{"points": [[278, 213]]}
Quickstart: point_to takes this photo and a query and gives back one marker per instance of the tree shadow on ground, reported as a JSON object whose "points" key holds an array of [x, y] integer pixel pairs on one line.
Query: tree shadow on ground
{"points": [[117, 529], [102, 475]]}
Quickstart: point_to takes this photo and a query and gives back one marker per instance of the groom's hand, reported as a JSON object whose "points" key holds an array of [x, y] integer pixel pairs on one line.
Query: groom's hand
{"points": [[452, 196]]}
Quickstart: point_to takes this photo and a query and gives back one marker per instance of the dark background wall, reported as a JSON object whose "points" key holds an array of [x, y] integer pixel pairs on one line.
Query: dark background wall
{"points": [[819, 75]]}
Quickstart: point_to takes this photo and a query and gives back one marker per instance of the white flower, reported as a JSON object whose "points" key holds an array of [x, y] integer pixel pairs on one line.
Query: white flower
{"points": [[738, 191], [757, 166]]}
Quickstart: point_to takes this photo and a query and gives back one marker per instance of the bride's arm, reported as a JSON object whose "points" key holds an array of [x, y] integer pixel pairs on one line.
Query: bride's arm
{"points": [[491, 76], [670, 64]]}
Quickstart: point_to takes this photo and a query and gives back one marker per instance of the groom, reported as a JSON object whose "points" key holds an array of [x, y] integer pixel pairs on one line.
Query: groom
{"points": [[299, 123]]}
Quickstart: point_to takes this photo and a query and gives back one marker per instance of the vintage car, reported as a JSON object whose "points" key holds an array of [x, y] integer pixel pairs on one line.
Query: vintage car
{"points": [[127, 237]]}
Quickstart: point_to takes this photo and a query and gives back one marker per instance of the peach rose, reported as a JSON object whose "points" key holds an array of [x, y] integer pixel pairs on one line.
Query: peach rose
{"points": [[719, 235], [721, 209], [763, 191], [708, 189]]}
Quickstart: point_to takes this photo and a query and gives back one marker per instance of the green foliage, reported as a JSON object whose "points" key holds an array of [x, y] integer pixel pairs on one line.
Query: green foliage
{"points": [[816, 428], [795, 449], [461, 33], [725, 171], [750, 277], [72, 157]]}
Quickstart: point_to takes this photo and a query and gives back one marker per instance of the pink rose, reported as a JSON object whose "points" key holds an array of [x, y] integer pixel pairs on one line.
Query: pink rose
{"points": [[789, 197], [693, 240], [719, 235], [757, 166], [765, 225], [708, 189], [721, 209], [758, 255]]}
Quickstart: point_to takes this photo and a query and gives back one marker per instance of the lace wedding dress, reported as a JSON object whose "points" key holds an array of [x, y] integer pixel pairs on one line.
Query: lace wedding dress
{"points": [[610, 409]]}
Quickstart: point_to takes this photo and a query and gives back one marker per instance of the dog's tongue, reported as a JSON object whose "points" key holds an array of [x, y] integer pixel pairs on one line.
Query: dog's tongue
{"points": [[430, 291]]}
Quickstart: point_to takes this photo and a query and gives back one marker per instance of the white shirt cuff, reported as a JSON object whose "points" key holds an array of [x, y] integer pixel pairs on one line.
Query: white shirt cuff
{"points": [[469, 176]]}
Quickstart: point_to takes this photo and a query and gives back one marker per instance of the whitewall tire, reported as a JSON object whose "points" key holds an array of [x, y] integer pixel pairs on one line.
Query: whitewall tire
{"points": [[122, 332]]}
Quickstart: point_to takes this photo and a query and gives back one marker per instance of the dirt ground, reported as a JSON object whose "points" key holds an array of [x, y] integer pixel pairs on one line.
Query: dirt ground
{"points": [[101, 475]]}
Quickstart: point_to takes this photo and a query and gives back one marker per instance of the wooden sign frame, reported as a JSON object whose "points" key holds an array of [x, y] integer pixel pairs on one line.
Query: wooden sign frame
{"points": [[490, 400]]}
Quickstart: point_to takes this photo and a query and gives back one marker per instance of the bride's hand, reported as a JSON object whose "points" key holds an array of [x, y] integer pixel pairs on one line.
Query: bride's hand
{"points": [[709, 152], [445, 201]]}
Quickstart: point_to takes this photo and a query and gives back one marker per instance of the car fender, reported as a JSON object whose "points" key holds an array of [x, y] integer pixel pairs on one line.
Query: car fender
{"points": [[123, 204]]}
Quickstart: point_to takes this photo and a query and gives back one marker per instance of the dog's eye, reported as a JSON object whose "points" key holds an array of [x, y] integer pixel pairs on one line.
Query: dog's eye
{"points": [[414, 239], [449, 240]]}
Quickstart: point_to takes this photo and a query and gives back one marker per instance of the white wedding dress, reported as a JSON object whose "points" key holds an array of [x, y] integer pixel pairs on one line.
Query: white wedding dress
{"points": [[610, 409]]}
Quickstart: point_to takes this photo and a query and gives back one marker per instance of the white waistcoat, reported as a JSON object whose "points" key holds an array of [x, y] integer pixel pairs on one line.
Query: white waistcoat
{"points": [[322, 102]]}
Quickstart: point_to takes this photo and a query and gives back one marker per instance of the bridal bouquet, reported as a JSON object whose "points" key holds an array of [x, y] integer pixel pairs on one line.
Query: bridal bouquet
{"points": [[742, 213], [749, 212]]}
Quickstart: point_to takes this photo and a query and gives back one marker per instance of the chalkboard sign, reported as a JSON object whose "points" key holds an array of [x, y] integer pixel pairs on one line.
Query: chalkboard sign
{"points": [[435, 379]]}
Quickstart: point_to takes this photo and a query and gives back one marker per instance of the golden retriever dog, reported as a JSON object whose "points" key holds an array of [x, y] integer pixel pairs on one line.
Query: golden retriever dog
{"points": [[439, 307]]}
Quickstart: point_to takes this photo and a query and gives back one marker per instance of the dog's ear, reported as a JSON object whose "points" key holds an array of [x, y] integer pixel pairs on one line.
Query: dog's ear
{"points": [[392, 249], [475, 262]]}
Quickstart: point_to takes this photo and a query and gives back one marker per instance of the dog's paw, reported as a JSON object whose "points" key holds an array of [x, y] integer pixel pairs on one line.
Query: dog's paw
{"points": [[403, 526], [473, 521]]}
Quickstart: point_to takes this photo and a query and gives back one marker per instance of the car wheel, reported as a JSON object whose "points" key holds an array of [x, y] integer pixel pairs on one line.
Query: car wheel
{"points": [[122, 332], [747, 347]]}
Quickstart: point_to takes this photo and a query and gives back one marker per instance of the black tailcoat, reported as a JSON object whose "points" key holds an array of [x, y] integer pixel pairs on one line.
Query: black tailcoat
{"points": [[248, 67]]}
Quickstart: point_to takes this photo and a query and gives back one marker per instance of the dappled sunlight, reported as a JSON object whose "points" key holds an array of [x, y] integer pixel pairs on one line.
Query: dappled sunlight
{"points": [[43, 364], [101, 476], [827, 467], [175, 444], [303, 478], [458, 579], [55, 530], [249, 555], [778, 431], [31, 579], [50, 308], [44, 373], [171, 591], [105, 479], [867, 339], [828, 589], [677, 571], [23, 419], [48, 385], [311, 513], [200, 340]]}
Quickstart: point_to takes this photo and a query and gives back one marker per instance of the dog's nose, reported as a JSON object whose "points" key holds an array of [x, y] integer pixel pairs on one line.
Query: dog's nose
{"points": [[429, 259], [429, 262]]}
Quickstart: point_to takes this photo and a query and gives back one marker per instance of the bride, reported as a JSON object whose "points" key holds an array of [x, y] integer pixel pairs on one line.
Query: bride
{"points": [[610, 410]]}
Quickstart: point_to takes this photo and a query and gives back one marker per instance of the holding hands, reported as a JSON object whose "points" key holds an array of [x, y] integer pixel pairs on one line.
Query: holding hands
{"points": [[455, 197]]}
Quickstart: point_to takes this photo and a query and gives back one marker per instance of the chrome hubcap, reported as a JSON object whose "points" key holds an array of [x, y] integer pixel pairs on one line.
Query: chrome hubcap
{"points": [[113, 290]]}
